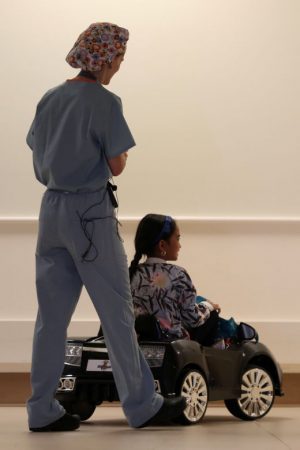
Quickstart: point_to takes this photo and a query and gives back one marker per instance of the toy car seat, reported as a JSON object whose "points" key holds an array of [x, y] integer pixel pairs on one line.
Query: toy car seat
{"points": [[148, 328]]}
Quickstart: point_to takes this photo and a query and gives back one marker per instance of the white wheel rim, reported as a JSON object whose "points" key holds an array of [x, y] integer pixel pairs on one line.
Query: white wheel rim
{"points": [[194, 390], [257, 393]]}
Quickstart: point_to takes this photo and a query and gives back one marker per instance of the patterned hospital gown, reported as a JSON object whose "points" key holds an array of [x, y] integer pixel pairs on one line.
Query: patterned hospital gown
{"points": [[166, 290]]}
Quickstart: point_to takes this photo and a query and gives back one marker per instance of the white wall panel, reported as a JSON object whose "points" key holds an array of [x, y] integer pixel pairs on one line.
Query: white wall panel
{"points": [[250, 267]]}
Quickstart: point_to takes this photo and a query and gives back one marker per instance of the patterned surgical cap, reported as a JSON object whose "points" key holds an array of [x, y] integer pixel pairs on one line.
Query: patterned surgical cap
{"points": [[99, 44]]}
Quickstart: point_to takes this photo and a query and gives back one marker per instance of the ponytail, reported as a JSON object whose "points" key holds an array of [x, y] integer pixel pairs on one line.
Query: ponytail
{"points": [[134, 264]]}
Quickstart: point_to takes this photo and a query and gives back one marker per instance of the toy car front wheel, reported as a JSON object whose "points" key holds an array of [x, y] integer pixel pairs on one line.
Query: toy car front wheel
{"points": [[257, 395], [83, 408], [193, 387]]}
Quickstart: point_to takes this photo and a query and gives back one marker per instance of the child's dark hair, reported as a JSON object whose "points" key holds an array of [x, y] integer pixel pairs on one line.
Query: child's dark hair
{"points": [[151, 229]]}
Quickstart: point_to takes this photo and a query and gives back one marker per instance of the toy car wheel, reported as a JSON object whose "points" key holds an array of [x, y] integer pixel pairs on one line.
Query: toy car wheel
{"points": [[257, 395], [82, 408], [193, 387]]}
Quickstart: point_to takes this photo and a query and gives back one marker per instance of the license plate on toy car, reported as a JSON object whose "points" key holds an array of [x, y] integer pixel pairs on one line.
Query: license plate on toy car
{"points": [[98, 365]]}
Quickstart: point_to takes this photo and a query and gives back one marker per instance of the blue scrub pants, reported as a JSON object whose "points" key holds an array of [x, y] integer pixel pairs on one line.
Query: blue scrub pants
{"points": [[60, 274]]}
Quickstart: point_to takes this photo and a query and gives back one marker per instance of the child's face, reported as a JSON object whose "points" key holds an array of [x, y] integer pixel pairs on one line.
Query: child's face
{"points": [[172, 246]]}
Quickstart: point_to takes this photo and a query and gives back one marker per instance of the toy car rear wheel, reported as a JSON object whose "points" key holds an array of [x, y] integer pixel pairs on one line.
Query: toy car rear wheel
{"points": [[193, 388], [83, 408], [257, 395]]}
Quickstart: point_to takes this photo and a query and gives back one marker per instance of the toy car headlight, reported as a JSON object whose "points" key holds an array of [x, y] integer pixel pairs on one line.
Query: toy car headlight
{"points": [[73, 354], [154, 354]]}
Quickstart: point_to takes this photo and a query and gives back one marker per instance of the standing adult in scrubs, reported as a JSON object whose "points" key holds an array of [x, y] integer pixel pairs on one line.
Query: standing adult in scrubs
{"points": [[79, 138]]}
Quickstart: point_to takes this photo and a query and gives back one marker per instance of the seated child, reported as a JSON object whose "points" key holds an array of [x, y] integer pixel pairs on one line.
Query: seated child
{"points": [[165, 290]]}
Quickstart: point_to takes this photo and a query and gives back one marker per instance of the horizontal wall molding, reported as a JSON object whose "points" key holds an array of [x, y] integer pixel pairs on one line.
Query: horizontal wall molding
{"points": [[189, 224], [281, 337], [191, 219]]}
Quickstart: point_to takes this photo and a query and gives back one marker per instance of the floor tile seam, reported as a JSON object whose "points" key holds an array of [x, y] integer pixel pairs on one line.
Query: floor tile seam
{"points": [[261, 425]]}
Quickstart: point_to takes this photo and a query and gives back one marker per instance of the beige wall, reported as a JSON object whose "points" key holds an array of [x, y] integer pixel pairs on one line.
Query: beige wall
{"points": [[211, 91]]}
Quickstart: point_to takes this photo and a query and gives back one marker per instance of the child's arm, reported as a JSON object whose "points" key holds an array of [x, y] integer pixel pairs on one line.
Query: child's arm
{"points": [[192, 315]]}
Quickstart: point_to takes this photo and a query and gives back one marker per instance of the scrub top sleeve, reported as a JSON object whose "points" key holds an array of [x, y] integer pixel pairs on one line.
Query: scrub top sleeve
{"points": [[117, 137], [30, 135]]}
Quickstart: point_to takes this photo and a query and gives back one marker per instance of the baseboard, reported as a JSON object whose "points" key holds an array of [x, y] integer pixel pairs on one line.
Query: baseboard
{"points": [[15, 389]]}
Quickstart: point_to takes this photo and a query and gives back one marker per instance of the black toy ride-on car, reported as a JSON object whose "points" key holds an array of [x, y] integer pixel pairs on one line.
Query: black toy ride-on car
{"points": [[245, 375]]}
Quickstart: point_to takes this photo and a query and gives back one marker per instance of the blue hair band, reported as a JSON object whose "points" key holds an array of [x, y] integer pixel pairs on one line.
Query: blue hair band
{"points": [[166, 229]]}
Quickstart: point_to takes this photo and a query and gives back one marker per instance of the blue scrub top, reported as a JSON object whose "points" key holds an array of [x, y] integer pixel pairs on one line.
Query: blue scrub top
{"points": [[78, 126]]}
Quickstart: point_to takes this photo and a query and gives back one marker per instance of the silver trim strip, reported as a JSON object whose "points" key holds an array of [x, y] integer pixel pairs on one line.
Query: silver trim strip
{"points": [[95, 350]]}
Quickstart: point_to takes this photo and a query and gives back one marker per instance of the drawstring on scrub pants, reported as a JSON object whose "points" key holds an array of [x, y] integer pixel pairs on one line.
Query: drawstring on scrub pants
{"points": [[85, 222]]}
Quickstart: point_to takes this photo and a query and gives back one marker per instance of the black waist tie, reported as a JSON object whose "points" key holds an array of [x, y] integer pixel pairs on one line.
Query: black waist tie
{"points": [[111, 188], [90, 222]]}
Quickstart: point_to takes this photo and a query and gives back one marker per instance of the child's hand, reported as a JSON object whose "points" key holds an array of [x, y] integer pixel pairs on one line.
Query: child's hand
{"points": [[216, 306]]}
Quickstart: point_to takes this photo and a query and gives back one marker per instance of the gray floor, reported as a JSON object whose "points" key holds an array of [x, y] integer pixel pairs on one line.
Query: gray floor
{"points": [[107, 429]]}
